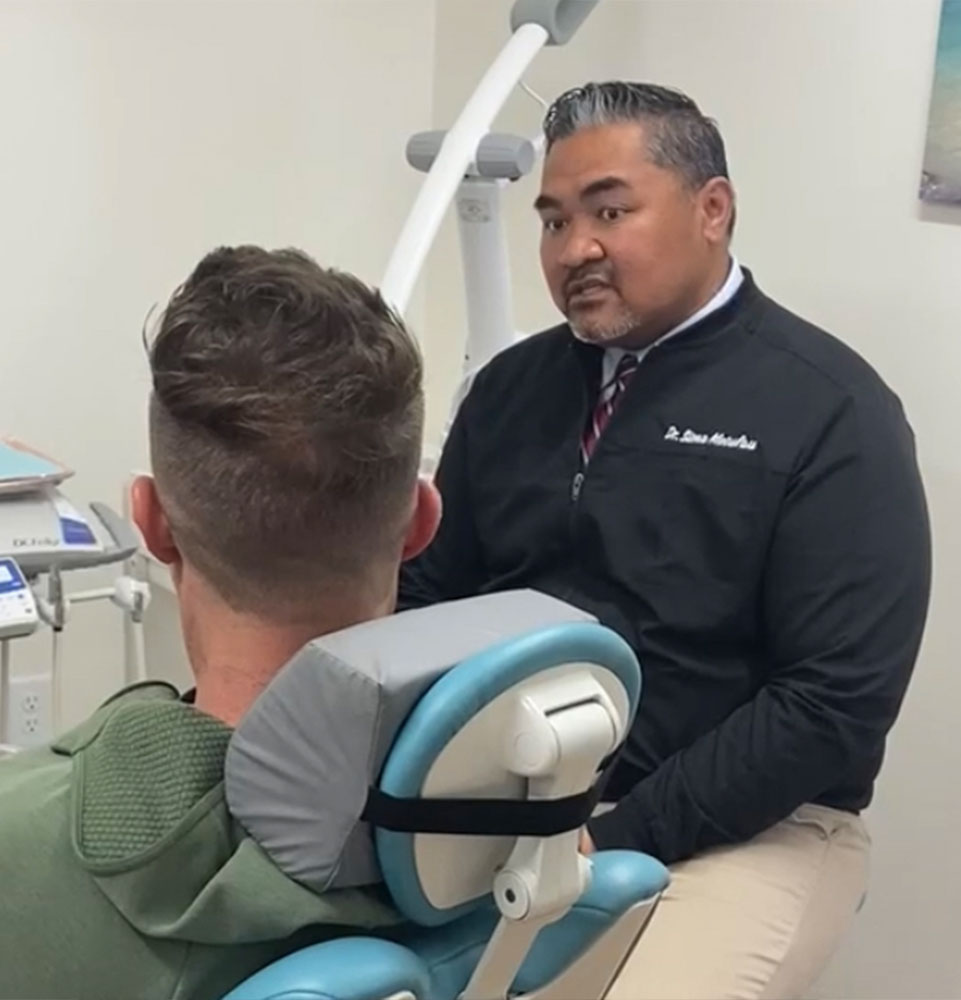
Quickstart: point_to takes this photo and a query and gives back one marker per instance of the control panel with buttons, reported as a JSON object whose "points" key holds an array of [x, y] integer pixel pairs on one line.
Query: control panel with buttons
{"points": [[18, 609]]}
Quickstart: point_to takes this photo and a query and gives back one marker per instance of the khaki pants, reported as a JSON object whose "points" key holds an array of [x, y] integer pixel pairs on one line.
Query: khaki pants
{"points": [[756, 921]]}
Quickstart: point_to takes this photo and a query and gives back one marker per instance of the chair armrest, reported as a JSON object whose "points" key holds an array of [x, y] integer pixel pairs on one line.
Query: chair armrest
{"points": [[621, 880], [353, 968]]}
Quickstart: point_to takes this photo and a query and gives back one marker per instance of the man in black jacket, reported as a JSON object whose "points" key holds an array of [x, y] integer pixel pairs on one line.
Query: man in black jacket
{"points": [[736, 493]]}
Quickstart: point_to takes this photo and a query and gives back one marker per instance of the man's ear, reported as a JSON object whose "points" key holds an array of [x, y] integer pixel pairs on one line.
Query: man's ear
{"points": [[148, 515], [424, 520], [717, 209]]}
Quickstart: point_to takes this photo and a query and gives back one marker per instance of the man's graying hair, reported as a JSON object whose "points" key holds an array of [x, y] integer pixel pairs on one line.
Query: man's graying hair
{"points": [[679, 136]]}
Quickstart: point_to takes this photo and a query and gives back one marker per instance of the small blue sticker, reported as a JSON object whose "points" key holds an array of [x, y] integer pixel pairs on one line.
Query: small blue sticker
{"points": [[76, 532]]}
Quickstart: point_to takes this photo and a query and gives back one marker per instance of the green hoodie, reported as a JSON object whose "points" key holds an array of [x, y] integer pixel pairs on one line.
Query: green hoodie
{"points": [[122, 876]]}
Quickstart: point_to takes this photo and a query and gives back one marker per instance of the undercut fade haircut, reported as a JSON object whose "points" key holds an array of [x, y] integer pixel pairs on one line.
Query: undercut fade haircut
{"points": [[286, 422]]}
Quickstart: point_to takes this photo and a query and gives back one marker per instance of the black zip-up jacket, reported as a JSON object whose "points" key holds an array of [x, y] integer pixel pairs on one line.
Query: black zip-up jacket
{"points": [[752, 522]]}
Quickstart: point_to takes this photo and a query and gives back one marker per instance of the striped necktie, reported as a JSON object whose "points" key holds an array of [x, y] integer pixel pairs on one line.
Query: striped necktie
{"points": [[609, 397]]}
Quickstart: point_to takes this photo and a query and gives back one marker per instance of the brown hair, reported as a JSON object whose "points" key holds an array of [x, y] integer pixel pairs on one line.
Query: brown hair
{"points": [[285, 426]]}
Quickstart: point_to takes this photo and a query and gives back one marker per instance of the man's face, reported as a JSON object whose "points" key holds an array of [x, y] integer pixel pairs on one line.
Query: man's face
{"points": [[626, 245]]}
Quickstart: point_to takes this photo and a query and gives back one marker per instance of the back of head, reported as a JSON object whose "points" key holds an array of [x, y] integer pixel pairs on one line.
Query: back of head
{"points": [[679, 136], [285, 425]]}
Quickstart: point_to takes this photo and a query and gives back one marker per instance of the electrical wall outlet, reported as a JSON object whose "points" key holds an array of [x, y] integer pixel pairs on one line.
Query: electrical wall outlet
{"points": [[29, 710]]}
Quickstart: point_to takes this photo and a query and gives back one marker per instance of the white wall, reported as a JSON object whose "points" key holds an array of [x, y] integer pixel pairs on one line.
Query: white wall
{"points": [[138, 134], [824, 105]]}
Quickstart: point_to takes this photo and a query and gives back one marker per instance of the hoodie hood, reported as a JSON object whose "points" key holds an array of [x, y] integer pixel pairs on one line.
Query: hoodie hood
{"points": [[150, 824]]}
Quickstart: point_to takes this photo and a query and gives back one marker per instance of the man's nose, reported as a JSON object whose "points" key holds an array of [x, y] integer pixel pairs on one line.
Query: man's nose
{"points": [[580, 247]]}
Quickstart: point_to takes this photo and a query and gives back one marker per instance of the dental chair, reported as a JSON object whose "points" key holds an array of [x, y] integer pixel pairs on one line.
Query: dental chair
{"points": [[453, 754]]}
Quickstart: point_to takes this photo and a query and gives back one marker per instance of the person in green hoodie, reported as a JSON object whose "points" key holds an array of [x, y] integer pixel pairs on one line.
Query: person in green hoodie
{"points": [[285, 429]]}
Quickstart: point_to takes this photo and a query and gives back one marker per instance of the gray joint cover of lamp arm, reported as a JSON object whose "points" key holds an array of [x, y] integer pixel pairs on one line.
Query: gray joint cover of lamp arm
{"points": [[559, 18], [499, 155], [125, 541]]}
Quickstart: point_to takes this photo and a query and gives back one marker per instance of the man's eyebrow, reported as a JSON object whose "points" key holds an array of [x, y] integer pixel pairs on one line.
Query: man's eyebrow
{"points": [[600, 186], [545, 201]]}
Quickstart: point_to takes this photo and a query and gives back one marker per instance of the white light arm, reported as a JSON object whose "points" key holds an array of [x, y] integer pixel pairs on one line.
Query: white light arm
{"points": [[453, 162]]}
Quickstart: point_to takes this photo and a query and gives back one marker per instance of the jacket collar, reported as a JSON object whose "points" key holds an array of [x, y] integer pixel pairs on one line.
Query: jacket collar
{"points": [[745, 303]]}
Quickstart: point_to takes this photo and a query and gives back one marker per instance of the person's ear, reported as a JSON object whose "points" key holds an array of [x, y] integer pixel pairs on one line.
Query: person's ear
{"points": [[717, 209], [424, 520], [148, 514]]}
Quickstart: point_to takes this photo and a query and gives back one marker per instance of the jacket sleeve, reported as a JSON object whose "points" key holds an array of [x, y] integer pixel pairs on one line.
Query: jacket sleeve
{"points": [[451, 566], [843, 605]]}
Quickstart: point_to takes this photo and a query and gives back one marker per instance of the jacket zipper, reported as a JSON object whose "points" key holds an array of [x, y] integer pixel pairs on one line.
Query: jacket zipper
{"points": [[576, 485]]}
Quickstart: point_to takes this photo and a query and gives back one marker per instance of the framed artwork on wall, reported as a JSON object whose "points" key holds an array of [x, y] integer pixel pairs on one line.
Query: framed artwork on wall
{"points": [[941, 176]]}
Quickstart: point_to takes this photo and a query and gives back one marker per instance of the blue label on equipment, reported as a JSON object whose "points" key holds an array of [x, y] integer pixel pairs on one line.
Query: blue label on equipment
{"points": [[76, 532]]}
